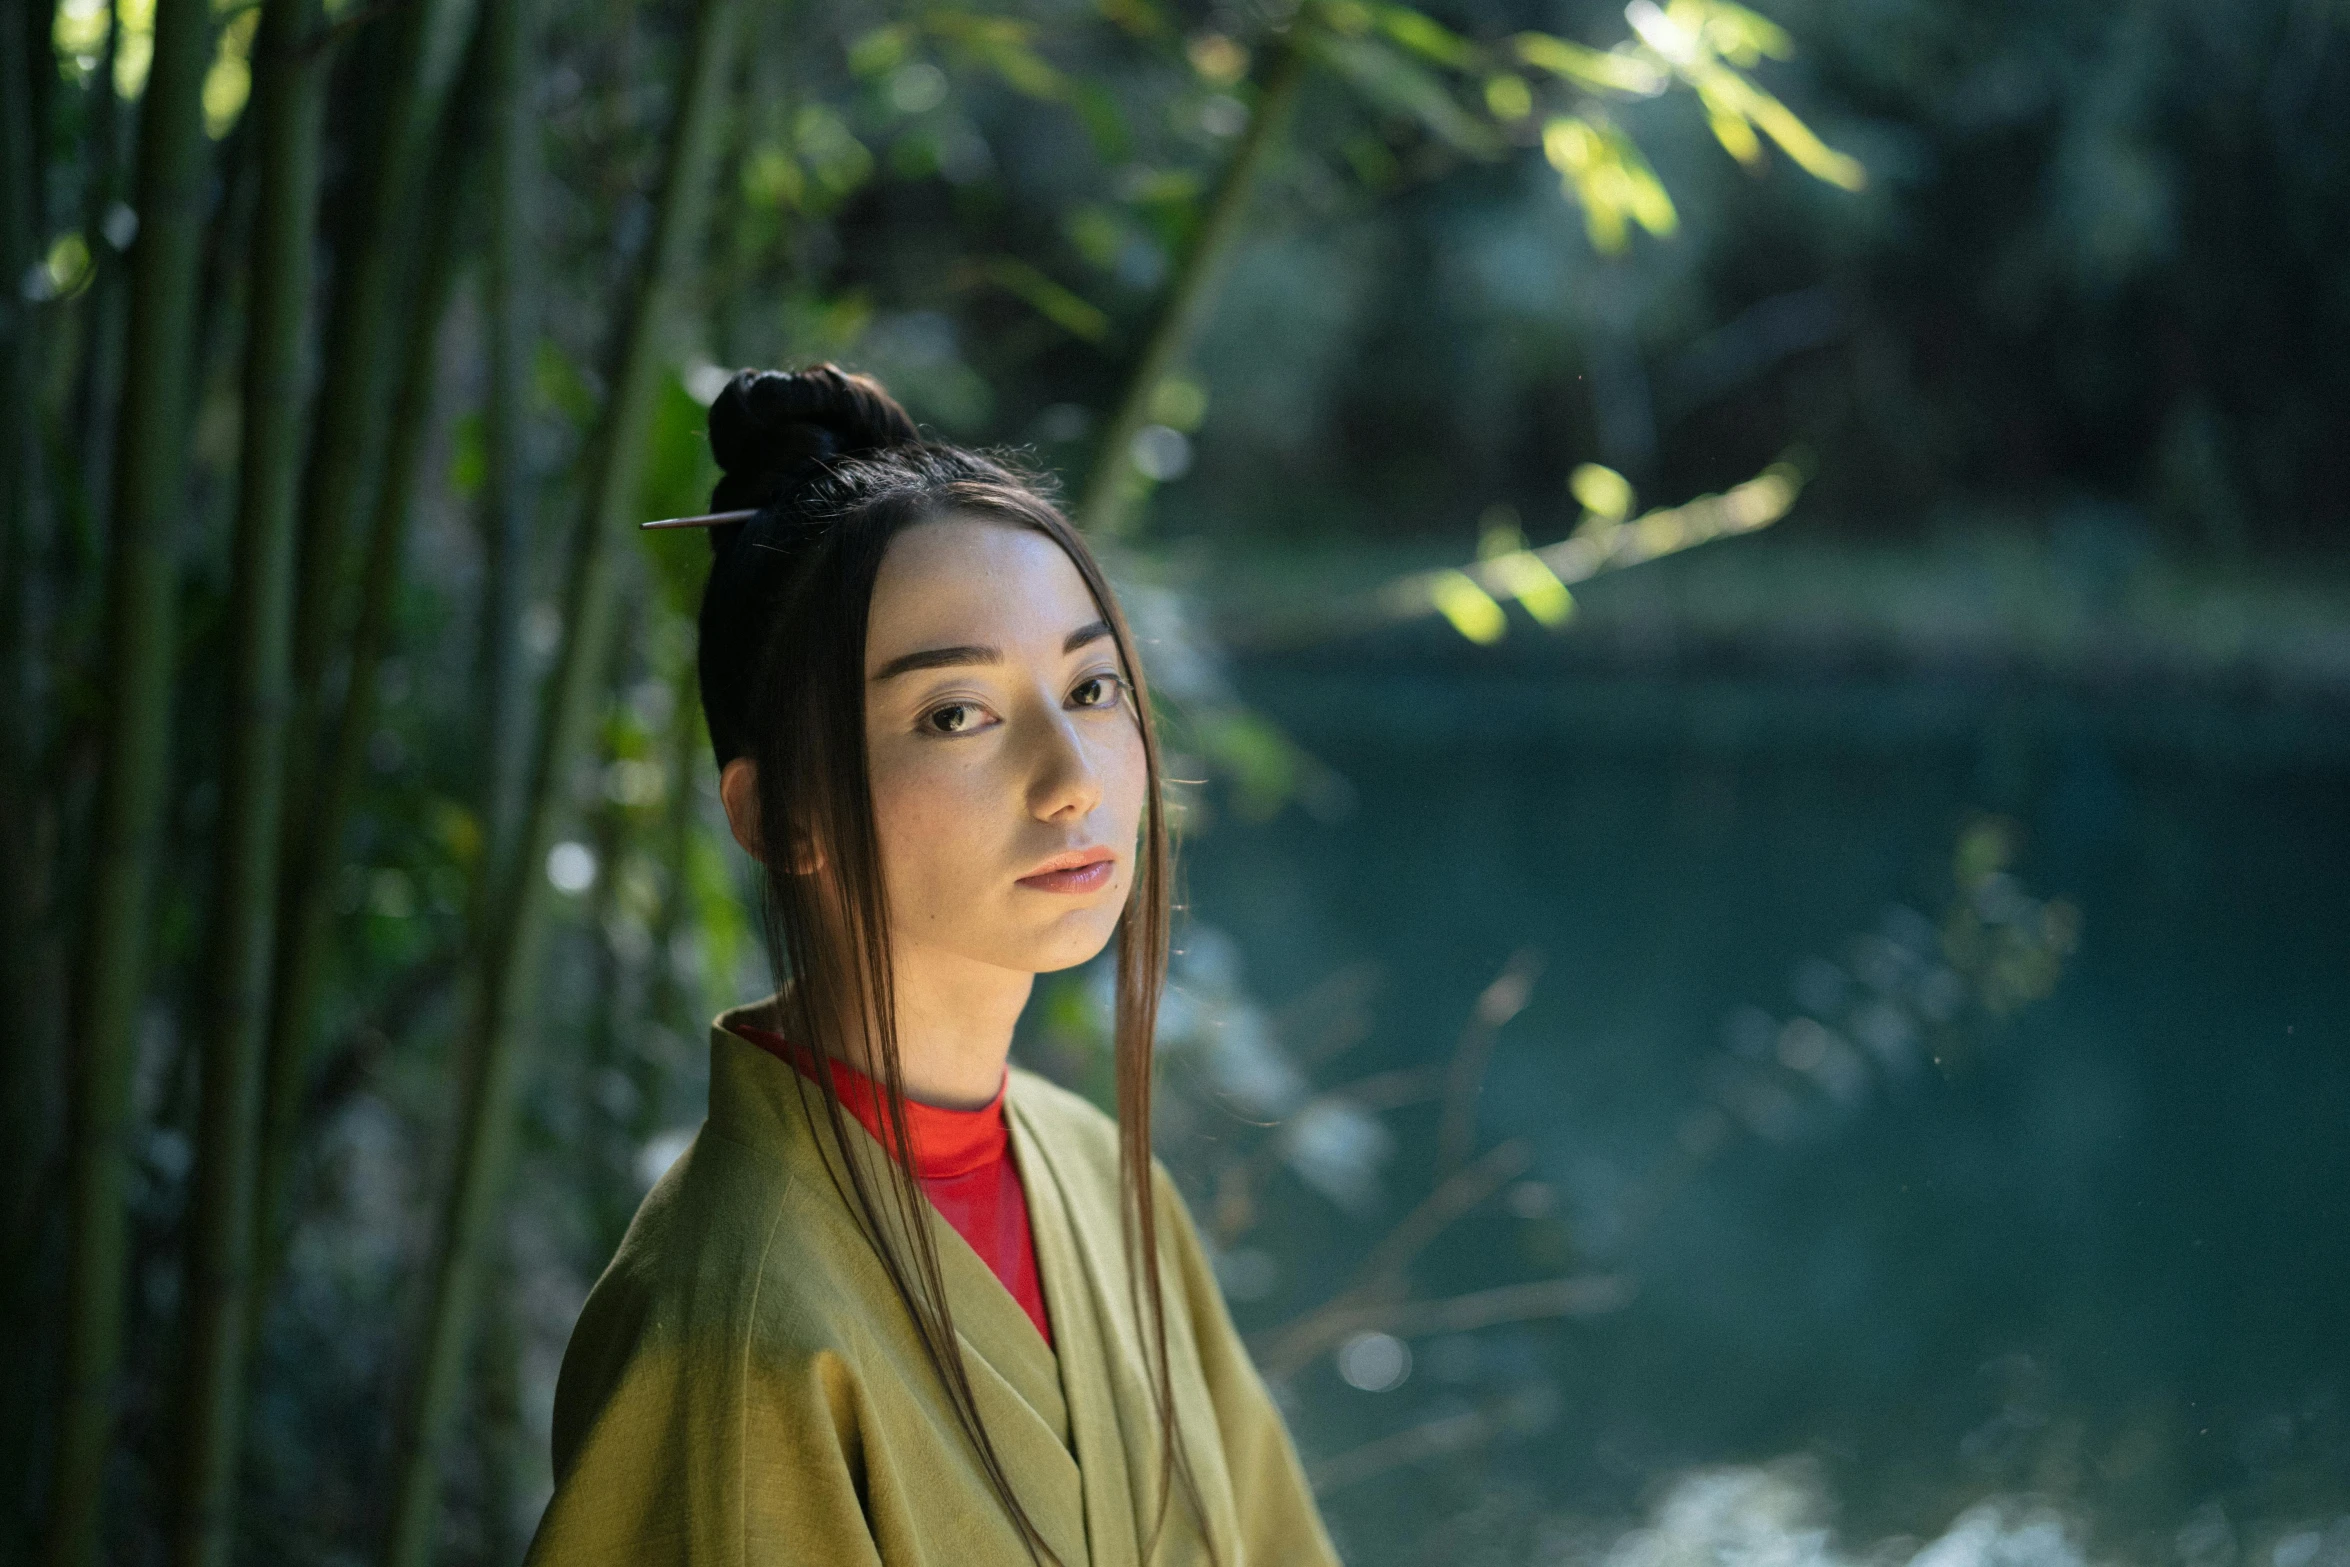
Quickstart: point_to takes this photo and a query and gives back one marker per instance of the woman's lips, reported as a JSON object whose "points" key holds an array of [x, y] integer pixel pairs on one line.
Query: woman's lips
{"points": [[1080, 870]]}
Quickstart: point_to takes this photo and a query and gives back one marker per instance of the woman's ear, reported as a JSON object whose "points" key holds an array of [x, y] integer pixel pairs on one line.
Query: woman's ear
{"points": [[738, 788]]}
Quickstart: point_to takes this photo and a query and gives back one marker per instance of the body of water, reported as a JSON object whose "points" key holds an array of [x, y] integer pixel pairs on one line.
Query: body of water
{"points": [[2076, 1252]]}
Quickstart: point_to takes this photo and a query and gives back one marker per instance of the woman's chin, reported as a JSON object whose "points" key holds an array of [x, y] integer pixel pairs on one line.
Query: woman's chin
{"points": [[1076, 940]]}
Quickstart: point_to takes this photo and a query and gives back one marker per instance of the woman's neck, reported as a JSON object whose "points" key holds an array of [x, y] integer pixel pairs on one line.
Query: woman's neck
{"points": [[954, 1024]]}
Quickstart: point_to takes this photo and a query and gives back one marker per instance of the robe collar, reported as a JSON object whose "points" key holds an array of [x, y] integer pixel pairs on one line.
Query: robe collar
{"points": [[1089, 1391]]}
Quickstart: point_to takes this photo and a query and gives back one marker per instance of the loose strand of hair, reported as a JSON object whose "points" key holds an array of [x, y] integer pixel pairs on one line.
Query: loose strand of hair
{"points": [[1141, 980], [837, 934]]}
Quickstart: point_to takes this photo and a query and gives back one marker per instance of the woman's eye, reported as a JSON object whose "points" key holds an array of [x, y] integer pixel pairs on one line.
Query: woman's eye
{"points": [[953, 719], [1096, 691]]}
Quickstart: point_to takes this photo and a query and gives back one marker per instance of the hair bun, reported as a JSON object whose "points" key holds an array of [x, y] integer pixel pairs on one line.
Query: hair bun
{"points": [[767, 424]]}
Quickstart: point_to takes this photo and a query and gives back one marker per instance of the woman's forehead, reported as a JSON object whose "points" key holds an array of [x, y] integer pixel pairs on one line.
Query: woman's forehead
{"points": [[964, 580]]}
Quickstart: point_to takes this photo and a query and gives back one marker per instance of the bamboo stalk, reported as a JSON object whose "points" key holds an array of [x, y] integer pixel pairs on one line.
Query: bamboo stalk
{"points": [[304, 908], [510, 27], [508, 948], [20, 483], [34, 82], [287, 110], [31, 1031], [365, 322], [1112, 487], [497, 1413], [608, 833], [141, 599], [665, 995], [363, 325], [101, 304]]}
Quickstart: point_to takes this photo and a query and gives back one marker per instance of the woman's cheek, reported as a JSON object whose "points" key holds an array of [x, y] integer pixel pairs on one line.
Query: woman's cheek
{"points": [[944, 817], [1130, 775], [905, 817]]}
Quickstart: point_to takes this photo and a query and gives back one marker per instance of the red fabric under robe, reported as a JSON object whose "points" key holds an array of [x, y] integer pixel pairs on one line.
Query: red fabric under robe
{"points": [[963, 1162]]}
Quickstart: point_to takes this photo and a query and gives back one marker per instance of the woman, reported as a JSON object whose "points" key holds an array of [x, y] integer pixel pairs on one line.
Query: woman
{"points": [[889, 1308]]}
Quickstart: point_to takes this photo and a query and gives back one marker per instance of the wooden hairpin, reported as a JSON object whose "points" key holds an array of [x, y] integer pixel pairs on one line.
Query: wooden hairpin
{"points": [[714, 519]]}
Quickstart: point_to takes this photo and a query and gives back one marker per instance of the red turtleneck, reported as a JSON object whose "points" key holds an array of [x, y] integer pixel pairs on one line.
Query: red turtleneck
{"points": [[963, 1163]]}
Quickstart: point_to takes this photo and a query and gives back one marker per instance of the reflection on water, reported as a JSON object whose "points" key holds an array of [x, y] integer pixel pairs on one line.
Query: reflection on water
{"points": [[1780, 1515], [1777, 1516], [1948, 1088]]}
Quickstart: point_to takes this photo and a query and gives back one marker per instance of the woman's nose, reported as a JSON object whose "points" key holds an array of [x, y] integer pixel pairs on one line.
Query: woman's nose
{"points": [[1062, 783]]}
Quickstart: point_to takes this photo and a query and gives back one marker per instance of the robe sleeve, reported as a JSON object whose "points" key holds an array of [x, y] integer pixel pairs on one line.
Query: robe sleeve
{"points": [[1278, 1520], [677, 1445]]}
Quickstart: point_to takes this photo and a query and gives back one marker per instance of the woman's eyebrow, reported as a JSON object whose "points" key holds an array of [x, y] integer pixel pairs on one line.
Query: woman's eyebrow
{"points": [[974, 653], [938, 658]]}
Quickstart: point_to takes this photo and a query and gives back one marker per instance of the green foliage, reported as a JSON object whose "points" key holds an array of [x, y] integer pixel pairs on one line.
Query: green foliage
{"points": [[1607, 173], [675, 479], [1392, 80], [1706, 45], [1450, 341], [469, 459], [1062, 306]]}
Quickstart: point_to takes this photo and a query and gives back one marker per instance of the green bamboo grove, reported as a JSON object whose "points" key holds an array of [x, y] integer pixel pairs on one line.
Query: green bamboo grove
{"points": [[303, 277]]}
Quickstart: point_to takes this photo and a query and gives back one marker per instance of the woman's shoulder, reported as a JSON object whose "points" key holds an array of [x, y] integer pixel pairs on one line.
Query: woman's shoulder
{"points": [[722, 1299], [730, 1244]]}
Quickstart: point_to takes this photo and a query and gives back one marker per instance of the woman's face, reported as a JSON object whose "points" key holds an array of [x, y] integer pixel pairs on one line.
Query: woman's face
{"points": [[1007, 767]]}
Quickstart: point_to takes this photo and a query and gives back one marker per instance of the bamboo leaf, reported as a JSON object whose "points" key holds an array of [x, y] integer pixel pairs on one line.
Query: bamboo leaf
{"points": [[1741, 36], [1796, 139], [1601, 491], [1526, 577], [1730, 127], [1026, 71], [1163, 188], [1578, 151], [1617, 71], [1394, 83], [1061, 306], [1607, 174], [678, 469], [1002, 45], [1507, 97], [1140, 18], [1105, 121], [229, 82], [882, 50], [1644, 195], [1468, 607], [1428, 38]]}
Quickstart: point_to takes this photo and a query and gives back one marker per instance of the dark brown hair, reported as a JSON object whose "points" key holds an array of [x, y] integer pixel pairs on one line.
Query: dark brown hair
{"points": [[836, 470]]}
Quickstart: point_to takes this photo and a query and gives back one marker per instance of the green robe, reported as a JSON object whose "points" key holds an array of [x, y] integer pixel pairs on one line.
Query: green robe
{"points": [[744, 1386]]}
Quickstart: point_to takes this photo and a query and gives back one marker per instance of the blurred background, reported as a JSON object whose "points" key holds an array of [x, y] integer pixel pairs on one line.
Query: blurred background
{"points": [[1752, 607]]}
